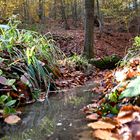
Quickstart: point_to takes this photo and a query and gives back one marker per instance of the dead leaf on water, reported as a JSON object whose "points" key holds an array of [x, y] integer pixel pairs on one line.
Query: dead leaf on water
{"points": [[12, 119]]}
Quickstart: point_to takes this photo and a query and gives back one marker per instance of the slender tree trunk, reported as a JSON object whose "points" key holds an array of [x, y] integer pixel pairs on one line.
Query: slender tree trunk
{"points": [[63, 13], [75, 18], [54, 9], [41, 13], [89, 29], [99, 17], [26, 11]]}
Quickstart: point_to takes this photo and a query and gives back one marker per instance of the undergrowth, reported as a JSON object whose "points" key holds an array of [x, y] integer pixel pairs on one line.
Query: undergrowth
{"points": [[28, 64]]}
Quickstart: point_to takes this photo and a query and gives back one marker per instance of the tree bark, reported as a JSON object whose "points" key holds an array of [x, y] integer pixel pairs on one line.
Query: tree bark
{"points": [[89, 29], [63, 13], [41, 14], [75, 18]]}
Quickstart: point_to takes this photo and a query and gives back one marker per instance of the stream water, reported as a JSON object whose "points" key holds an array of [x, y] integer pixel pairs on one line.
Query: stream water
{"points": [[58, 118]]}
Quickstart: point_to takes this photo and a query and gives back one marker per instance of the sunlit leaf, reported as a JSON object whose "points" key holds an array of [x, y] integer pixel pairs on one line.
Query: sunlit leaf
{"points": [[113, 97], [133, 88], [101, 125], [10, 103], [10, 82], [3, 98]]}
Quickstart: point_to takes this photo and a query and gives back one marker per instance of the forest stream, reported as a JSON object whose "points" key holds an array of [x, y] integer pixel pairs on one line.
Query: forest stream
{"points": [[58, 118]]}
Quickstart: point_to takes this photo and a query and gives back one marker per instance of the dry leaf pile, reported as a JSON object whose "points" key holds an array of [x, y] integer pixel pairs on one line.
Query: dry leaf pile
{"points": [[116, 111], [72, 41], [126, 126], [70, 77]]}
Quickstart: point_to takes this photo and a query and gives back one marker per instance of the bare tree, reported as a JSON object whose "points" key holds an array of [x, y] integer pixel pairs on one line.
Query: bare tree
{"points": [[89, 29]]}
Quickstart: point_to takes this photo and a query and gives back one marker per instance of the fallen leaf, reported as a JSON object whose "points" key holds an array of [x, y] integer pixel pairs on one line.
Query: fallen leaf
{"points": [[104, 135], [12, 119], [125, 110], [101, 125], [125, 119], [128, 114], [92, 117], [130, 74]]}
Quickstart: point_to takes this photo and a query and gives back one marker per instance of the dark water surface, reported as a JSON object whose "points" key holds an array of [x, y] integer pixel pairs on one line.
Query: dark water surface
{"points": [[57, 119]]}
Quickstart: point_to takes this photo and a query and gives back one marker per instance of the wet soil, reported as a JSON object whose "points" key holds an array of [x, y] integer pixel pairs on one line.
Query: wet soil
{"points": [[58, 118]]}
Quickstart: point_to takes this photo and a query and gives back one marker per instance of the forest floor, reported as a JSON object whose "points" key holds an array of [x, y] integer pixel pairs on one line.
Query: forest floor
{"points": [[110, 42], [72, 41]]}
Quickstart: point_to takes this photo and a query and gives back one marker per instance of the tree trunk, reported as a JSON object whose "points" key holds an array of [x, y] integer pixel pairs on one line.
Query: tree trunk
{"points": [[41, 14], [75, 18], [54, 9], [89, 29], [26, 11], [99, 18], [63, 13]]}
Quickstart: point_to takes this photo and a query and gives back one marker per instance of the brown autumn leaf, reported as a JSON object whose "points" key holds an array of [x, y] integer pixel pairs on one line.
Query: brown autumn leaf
{"points": [[125, 119], [130, 74], [128, 114], [101, 125], [92, 117], [104, 135], [127, 110], [111, 121], [12, 119]]}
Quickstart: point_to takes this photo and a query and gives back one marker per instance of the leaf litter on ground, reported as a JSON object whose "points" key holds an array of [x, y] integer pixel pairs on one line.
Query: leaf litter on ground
{"points": [[118, 100]]}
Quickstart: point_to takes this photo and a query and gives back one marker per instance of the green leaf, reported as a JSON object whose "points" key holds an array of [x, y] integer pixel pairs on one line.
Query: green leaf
{"points": [[114, 110], [113, 97], [133, 88], [8, 110], [14, 87], [1, 72], [3, 98], [10, 82], [10, 103]]}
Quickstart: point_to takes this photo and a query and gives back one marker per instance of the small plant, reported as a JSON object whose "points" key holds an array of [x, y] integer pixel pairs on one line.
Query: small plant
{"points": [[137, 41], [132, 52], [7, 103], [27, 63], [80, 62]]}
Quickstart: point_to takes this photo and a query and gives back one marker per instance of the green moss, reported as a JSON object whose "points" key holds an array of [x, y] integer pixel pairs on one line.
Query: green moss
{"points": [[108, 62]]}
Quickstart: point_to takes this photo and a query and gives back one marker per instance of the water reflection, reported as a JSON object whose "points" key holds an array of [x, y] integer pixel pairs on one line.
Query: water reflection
{"points": [[40, 120]]}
